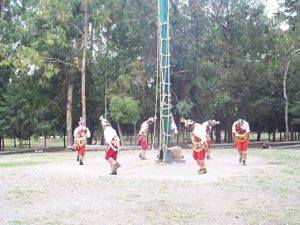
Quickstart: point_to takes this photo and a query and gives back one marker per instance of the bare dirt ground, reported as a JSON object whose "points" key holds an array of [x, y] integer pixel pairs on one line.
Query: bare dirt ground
{"points": [[52, 189]]}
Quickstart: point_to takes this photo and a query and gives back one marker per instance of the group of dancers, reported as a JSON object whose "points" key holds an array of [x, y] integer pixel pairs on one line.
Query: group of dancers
{"points": [[111, 138], [200, 138]]}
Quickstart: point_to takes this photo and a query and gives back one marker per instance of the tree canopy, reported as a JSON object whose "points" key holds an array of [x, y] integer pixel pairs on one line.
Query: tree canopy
{"points": [[228, 60]]}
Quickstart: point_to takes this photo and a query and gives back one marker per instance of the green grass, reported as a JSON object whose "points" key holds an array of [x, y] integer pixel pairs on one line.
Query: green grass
{"points": [[34, 143], [19, 164], [19, 222], [275, 184], [280, 177], [33, 159]]}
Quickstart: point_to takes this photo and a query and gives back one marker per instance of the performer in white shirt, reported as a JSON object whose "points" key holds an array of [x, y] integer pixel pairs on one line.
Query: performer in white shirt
{"points": [[208, 125], [199, 143], [142, 136], [112, 142], [241, 137], [81, 133]]}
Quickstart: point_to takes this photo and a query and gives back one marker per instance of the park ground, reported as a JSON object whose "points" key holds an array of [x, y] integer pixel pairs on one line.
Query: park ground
{"points": [[52, 189]]}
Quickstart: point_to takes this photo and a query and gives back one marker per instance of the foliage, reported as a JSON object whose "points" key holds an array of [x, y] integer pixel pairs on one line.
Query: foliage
{"points": [[227, 61], [20, 111], [184, 108], [124, 110]]}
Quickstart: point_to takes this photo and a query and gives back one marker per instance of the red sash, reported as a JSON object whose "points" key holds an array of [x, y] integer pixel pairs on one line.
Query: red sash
{"points": [[239, 129]]}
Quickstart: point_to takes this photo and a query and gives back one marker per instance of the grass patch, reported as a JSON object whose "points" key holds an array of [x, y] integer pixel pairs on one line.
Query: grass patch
{"points": [[33, 159], [20, 164], [19, 222], [280, 177]]}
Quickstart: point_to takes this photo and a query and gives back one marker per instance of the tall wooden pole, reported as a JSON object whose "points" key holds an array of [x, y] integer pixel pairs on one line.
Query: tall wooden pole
{"points": [[164, 68]]}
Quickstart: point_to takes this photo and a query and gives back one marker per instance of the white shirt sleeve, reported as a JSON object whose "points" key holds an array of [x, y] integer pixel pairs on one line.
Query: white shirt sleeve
{"points": [[144, 128], [110, 134], [200, 132], [88, 133], [246, 127], [233, 127], [173, 126]]}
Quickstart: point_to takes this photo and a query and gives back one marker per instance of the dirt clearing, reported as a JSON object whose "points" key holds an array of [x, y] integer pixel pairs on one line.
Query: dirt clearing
{"points": [[51, 188]]}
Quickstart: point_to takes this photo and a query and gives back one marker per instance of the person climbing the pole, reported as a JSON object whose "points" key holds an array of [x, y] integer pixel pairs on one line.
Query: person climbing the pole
{"points": [[209, 124], [198, 142], [142, 137], [81, 133], [112, 142], [241, 137]]}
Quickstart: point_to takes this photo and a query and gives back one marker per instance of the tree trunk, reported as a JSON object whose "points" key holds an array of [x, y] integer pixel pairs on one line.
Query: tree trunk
{"points": [[258, 135], [1, 9], [120, 133], [69, 113], [105, 92], [105, 79], [280, 136], [286, 110], [134, 134], [218, 134], [83, 65], [64, 138], [45, 140]]}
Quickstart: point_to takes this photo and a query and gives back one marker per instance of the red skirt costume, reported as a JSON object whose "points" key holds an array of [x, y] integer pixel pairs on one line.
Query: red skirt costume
{"points": [[112, 151], [241, 139], [142, 141], [198, 149], [80, 142]]}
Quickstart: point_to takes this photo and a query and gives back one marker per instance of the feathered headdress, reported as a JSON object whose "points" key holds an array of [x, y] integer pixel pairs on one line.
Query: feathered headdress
{"points": [[104, 122], [81, 122]]}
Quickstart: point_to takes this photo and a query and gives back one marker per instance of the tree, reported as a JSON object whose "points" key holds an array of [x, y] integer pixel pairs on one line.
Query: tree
{"points": [[84, 48], [295, 109], [1, 8], [58, 37], [19, 109], [286, 115], [290, 15], [124, 110]]}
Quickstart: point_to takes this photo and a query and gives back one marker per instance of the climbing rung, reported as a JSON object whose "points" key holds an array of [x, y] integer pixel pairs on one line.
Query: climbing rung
{"points": [[164, 55], [165, 39], [167, 135]]}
